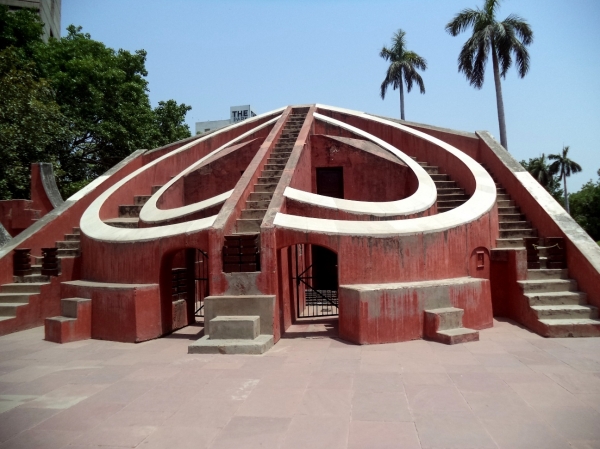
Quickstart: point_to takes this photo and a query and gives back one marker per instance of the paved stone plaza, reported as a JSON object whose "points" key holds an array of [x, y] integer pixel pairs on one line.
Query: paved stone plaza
{"points": [[512, 389]]}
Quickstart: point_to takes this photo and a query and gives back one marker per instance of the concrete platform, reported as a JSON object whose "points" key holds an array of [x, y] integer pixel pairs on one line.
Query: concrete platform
{"points": [[259, 345], [512, 389]]}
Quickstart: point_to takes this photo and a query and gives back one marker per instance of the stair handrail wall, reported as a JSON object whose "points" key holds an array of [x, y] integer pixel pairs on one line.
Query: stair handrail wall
{"points": [[545, 214], [62, 219]]}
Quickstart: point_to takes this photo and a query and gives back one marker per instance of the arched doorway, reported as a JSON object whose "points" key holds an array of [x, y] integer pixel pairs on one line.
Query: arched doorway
{"points": [[314, 276]]}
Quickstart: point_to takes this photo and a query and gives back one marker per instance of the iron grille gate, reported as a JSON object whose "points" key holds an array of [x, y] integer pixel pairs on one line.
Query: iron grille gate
{"points": [[200, 277], [310, 301]]}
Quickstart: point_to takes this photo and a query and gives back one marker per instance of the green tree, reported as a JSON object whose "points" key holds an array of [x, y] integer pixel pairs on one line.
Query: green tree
{"points": [[30, 122], [170, 122], [563, 166], [21, 29], [402, 69], [585, 208], [501, 39], [540, 170]]}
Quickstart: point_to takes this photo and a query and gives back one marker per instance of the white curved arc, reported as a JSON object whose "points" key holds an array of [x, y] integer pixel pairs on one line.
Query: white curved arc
{"points": [[419, 201], [92, 226], [150, 212], [481, 202]]}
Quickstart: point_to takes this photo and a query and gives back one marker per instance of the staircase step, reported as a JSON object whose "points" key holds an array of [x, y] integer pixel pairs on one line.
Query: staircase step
{"points": [[14, 298], [508, 210], [129, 210], [566, 311], [10, 308], [510, 243], [517, 224], [509, 217], [502, 196], [450, 204], [265, 187], [243, 327], [270, 173], [64, 252], [72, 237], [32, 288], [583, 327], [123, 222], [248, 225], [452, 197], [76, 230], [548, 285], [37, 278], [459, 335], [268, 180], [548, 273], [260, 345], [140, 200], [444, 184], [505, 203], [260, 196], [556, 298], [257, 204], [431, 169], [253, 214], [517, 233], [439, 177], [450, 191], [68, 244]]}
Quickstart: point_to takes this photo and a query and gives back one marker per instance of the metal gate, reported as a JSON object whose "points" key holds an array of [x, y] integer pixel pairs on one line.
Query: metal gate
{"points": [[200, 279], [312, 300]]}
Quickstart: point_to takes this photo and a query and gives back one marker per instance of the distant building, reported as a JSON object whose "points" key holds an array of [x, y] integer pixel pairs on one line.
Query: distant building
{"points": [[49, 11], [236, 114]]}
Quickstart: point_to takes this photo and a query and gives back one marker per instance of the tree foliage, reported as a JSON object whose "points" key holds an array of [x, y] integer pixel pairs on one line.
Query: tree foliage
{"points": [[539, 168], [90, 103], [402, 69], [585, 208], [500, 39], [563, 166]]}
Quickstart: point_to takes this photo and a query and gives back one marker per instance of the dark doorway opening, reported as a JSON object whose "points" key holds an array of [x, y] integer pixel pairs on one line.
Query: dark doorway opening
{"points": [[330, 181], [315, 278], [189, 286]]}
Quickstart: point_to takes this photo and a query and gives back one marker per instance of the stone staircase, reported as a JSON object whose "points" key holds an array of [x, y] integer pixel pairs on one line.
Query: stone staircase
{"points": [[449, 195], [258, 201], [555, 307], [14, 298], [70, 246], [74, 324], [129, 214], [514, 226], [444, 325]]}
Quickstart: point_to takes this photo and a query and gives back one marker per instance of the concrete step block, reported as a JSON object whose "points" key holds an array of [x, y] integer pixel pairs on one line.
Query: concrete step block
{"points": [[260, 196], [565, 311], [450, 204], [509, 217], [547, 273], [73, 237], [264, 205], [452, 197], [450, 191], [502, 196], [508, 210], [505, 203], [431, 169], [456, 336], [32, 288], [68, 252], [444, 184], [267, 173], [259, 345], [562, 328], [235, 327], [269, 180], [75, 324], [443, 318], [556, 298], [548, 285], [10, 308]]}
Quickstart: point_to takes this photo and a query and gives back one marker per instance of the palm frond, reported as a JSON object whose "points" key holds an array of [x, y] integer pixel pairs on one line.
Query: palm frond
{"points": [[463, 20], [521, 28]]}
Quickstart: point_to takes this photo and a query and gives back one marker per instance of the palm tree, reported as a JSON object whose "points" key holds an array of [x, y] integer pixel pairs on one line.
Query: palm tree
{"points": [[564, 167], [501, 39], [540, 170], [403, 65]]}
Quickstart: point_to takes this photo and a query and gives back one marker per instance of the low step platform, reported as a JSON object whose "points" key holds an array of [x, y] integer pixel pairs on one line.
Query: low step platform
{"points": [[205, 345]]}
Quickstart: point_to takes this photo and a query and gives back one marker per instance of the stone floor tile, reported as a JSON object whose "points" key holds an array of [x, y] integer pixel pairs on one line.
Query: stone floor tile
{"points": [[42, 439], [380, 406], [81, 417], [383, 435], [129, 436], [329, 380], [251, 432], [577, 382], [479, 382], [127, 418], [20, 419], [591, 400], [574, 423], [519, 434], [435, 398], [426, 379], [272, 403], [317, 432], [179, 438], [201, 412], [322, 402], [378, 382], [452, 430], [545, 395], [505, 405], [498, 360]]}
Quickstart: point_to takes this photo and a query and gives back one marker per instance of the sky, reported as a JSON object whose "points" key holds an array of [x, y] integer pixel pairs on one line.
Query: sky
{"points": [[271, 53]]}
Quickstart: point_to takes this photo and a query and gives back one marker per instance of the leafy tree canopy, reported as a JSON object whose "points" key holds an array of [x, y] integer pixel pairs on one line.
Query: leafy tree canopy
{"points": [[94, 98], [585, 208], [540, 170]]}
